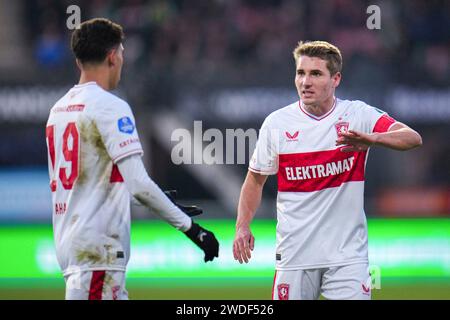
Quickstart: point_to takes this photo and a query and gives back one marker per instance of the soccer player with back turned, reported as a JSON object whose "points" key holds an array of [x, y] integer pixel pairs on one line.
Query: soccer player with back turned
{"points": [[94, 165]]}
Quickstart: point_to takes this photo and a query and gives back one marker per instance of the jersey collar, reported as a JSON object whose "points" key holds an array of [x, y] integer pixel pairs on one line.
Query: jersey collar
{"points": [[302, 108], [90, 83]]}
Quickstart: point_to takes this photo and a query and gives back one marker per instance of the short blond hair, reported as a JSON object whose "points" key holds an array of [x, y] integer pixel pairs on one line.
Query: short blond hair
{"points": [[322, 50]]}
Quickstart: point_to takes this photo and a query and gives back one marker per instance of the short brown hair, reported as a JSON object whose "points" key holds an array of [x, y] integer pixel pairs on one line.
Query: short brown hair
{"points": [[322, 50], [94, 39]]}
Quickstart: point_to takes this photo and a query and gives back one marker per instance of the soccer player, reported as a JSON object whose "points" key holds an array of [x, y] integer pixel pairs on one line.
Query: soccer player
{"points": [[318, 148], [94, 164]]}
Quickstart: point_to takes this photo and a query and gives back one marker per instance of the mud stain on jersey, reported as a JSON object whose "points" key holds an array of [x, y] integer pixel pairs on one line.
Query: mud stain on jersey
{"points": [[74, 219], [145, 199], [110, 256], [92, 139], [96, 255], [108, 283], [93, 256]]}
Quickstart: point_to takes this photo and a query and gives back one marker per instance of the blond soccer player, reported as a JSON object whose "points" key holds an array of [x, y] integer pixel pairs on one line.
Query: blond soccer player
{"points": [[318, 147]]}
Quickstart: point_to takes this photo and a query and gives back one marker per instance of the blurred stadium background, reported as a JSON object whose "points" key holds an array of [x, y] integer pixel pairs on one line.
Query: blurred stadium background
{"points": [[228, 63]]}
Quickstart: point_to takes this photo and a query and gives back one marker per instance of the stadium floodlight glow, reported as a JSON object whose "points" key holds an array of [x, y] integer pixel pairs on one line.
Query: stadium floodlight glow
{"points": [[402, 249]]}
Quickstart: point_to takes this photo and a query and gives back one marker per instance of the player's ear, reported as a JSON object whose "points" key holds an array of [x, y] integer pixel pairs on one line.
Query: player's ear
{"points": [[336, 79], [78, 62], [111, 58]]}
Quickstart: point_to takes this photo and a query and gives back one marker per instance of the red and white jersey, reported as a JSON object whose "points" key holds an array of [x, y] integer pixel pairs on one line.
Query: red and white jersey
{"points": [[88, 131], [321, 219]]}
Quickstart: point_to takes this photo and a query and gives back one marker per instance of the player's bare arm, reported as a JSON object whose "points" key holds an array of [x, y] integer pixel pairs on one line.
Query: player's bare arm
{"points": [[399, 137], [249, 201]]}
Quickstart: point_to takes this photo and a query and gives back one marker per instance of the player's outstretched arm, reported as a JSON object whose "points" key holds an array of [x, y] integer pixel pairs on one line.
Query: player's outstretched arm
{"points": [[191, 211], [249, 201], [150, 195], [399, 137], [205, 240]]}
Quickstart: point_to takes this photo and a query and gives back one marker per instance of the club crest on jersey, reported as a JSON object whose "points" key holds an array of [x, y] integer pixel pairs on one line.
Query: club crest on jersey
{"points": [[125, 125], [283, 291], [341, 127], [292, 137]]}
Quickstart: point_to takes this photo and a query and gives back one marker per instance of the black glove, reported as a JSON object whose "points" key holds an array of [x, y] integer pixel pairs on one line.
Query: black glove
{"points": [[189, 210], [205, 240]]}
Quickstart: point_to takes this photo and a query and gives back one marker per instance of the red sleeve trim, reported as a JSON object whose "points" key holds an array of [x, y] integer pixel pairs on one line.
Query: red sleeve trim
{"points": [[383, 124], [261, 172], [123, 155]]}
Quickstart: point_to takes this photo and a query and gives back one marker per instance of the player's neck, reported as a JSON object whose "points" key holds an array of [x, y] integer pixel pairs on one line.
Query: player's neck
{"points": [[95, 75], [320, 109]]}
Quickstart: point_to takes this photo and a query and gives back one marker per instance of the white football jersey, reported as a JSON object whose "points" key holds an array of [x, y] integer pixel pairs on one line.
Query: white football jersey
{"points": [[88, 131], [320, 212]]}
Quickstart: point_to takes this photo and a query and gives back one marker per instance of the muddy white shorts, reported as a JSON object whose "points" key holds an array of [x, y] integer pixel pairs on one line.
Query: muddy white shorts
{"points": [[96, 285], [350, 282]]}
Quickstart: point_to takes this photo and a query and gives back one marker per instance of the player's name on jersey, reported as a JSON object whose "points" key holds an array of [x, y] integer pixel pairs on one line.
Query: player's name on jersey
{"points": [[60, 207]]}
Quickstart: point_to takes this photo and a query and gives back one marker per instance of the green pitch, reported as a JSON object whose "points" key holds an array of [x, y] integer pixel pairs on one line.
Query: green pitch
{"points": [[434, 292], [409, 256], [166, 289]]}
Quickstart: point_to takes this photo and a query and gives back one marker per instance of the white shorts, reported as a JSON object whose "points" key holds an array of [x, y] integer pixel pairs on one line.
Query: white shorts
{"points": [[96, 285], [350, 282]]}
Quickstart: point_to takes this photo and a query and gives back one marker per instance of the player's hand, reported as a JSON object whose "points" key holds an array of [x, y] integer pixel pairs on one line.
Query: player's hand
{"points": [[205, 240], [189, 210], [356, 141], [243, 244]]}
